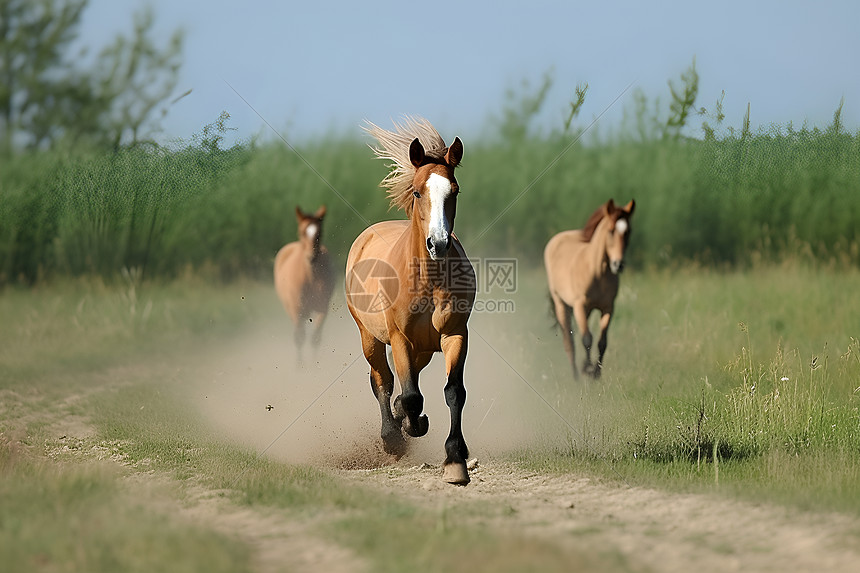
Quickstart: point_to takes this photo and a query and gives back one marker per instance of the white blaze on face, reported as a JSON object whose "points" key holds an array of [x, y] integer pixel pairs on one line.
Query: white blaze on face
{"points": [[311, 231], [621, 226], [439, 188]]}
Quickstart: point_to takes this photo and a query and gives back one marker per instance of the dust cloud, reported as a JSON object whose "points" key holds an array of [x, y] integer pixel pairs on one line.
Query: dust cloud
{"points": [[320, 409]]}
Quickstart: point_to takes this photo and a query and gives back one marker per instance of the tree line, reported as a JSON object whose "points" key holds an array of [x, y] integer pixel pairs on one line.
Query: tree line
{"points": [[49, 98]]}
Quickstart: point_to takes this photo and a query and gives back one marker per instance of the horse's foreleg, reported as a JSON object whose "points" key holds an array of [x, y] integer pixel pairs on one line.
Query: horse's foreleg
{"points": [[299, 339], [382, 384], [581, 318], [562, 315], [318, 321], [605, 318], [410, 403], [454, 469]]}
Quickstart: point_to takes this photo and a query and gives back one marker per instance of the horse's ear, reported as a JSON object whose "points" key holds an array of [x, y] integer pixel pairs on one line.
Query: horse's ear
{"points": [[609, 208], [630, 207], [416, 153], [299, 214], [320, 212], [455, 153]]}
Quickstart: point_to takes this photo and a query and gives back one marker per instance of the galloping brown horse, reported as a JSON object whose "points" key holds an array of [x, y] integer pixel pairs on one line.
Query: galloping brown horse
{"points": [[582, 270], [410, 285], [303, 277]]}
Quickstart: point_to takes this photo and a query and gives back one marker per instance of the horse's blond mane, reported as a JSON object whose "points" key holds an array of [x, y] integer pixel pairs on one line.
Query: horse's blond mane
{"points": [[394, 147]]}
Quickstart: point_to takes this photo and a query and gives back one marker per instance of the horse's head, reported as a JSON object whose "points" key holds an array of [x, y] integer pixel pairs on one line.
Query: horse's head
{"points": [[310, 228], [435, 195], [618, 233]]}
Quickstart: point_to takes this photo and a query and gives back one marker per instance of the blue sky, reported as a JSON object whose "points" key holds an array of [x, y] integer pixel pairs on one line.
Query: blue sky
{"points": [[312, 68]]}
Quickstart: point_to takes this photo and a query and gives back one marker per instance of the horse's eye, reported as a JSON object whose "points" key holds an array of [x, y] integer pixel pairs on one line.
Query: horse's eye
{"points": [[416, 194]]}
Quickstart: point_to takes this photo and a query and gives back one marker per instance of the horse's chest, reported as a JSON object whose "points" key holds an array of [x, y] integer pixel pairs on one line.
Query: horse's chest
{"points": [[602, 291], [318, 280], [430, 317], [442, 315], [317, 283]]}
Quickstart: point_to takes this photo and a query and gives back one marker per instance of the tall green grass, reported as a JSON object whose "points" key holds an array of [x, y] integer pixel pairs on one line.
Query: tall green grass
{"points": [[733, 199], [743, 382]]}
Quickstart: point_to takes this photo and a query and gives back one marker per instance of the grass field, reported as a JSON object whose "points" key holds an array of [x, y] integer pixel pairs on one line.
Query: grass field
{"points": [[747, 383], [692, 399]]}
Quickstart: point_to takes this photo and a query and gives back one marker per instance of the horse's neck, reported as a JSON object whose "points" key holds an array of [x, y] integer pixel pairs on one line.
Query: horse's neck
{"points": [[413, 252], [597, 248], [310, 255]]}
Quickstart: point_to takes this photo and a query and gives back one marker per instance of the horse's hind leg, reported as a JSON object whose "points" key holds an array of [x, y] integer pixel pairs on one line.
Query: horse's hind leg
{"points": [[382, 384], [410, 403], [562, 315], [454, 469]]}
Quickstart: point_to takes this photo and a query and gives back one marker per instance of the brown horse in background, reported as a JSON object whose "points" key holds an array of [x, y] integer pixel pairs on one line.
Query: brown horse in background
{"points": [[303, 277], [582, 269], [410, 285]]}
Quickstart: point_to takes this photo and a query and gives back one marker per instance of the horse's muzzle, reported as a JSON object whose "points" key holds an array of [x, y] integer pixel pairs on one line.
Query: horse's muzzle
{"points": [[438, 248], [616, 266]]}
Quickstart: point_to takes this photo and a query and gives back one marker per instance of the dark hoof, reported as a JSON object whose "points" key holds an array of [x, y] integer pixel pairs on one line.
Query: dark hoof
{"points": [[394, 444], [455, 473], [419, 429], [592, 371]]}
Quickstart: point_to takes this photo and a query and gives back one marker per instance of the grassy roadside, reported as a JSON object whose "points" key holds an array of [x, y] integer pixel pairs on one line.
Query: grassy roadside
{"points": [[64, 509], [745, 384], [118, 375], [77, 517]]}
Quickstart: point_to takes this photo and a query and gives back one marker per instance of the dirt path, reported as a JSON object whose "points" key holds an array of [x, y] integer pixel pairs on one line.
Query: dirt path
{"points": [[652, 530]]}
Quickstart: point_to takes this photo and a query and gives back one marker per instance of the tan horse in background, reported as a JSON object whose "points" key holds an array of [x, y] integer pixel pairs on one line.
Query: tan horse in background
{"points": [[410, 285], [582, 269], [304, 279]]}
